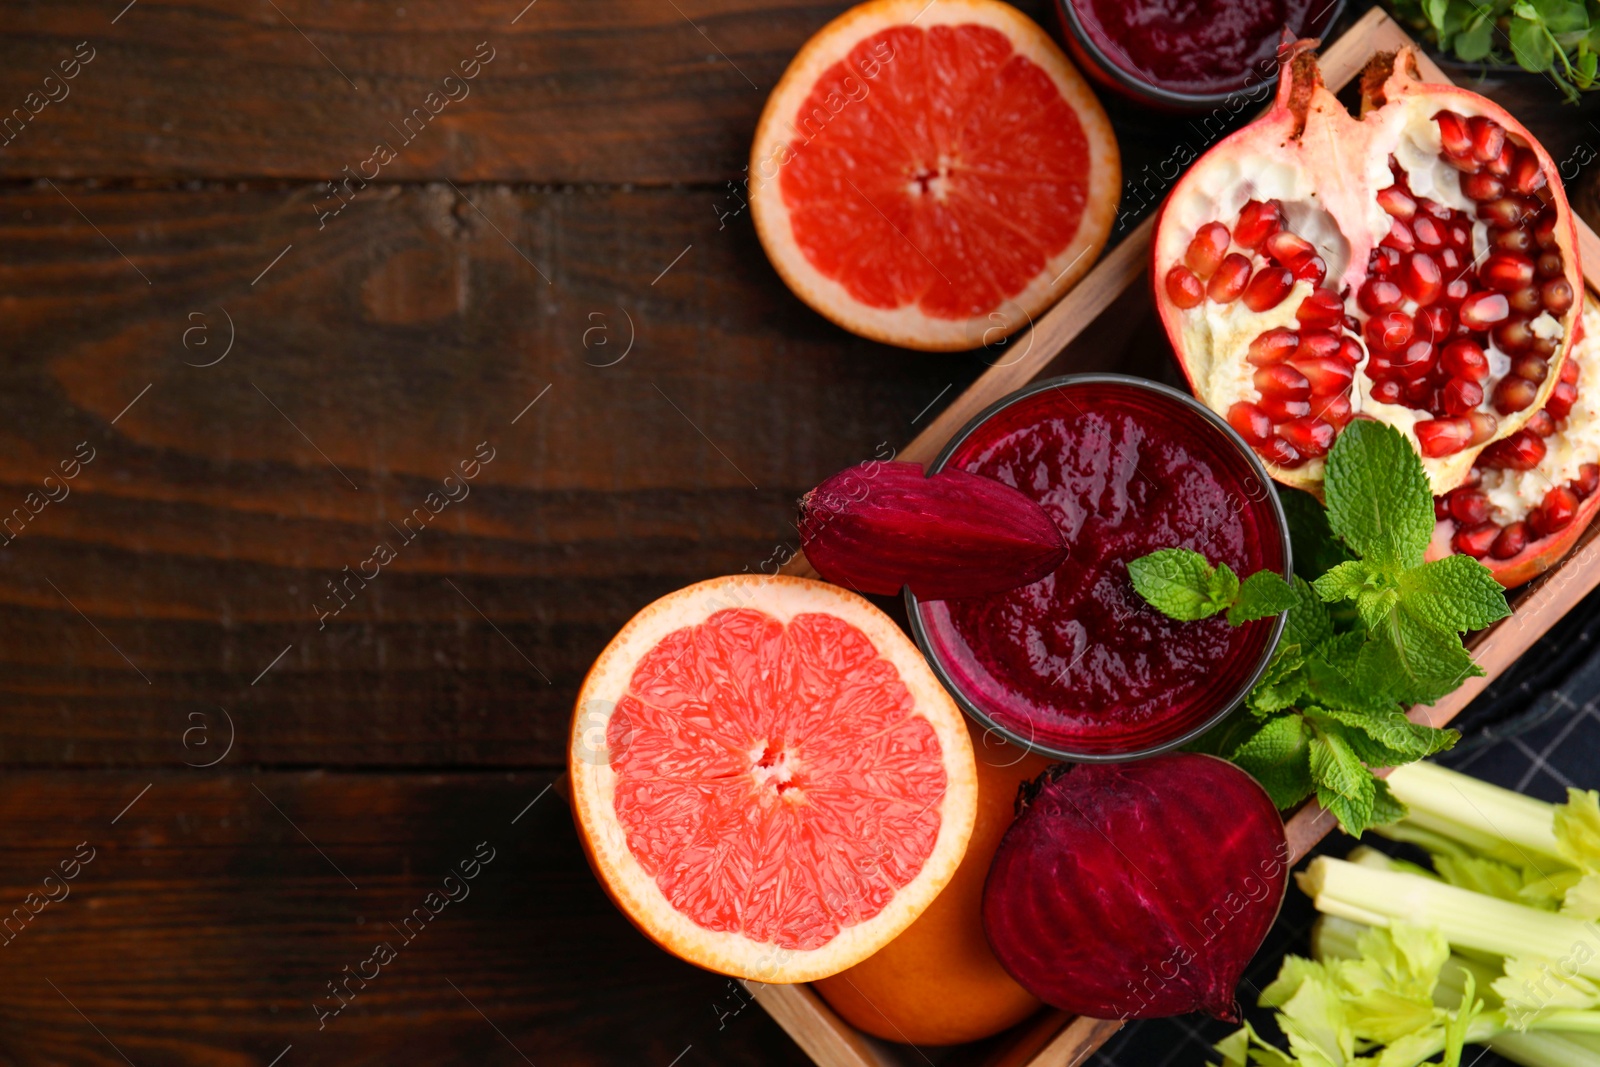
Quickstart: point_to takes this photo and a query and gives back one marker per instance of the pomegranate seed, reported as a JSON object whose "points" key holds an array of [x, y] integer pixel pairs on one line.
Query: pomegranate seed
{"points": [[1527, 176], [1312, 269], [1417, 361], [1453, 133], [1541, 424], [1507, 211], [1317, 344], [1287, 248], [1210, 244], [1556, 513], [1548, 264], [1465, 359], [1251, 422], [1500, 166], [1257, 222], [1377, 295], [1484, 426], [1282, 409], [1328, 375], [1441, 511], [1476, 541], [1542, 347], [1397, 202], [1230, 279], [1281, 452], [1522, 451], [1274, 346], [1506, 271], [1310, 437], [1465, 164], [1482, 186], [1515, 239], [1483, 310], [1183, 288], [1461, 238], [1421, 279], [1434, 324], [1350, 351], [1380, 369], [1511, 540], [1469, 507], [1544, 230], [1335, 409], [1488, 138], [1562, 397], [1449, 262], [1427, 233], [1527, 300], [1556, 295], [1268, 288], [1460, 396], [1386, 392], [1514, 394], [1389, 332], [1442, 437], [1353, 324], [1455, 291], [1513, 336], [1587, 481], [1569, 371], [1529, 367], [1383, 262], [1399, 237], [1321, 309], [1283, 381]]}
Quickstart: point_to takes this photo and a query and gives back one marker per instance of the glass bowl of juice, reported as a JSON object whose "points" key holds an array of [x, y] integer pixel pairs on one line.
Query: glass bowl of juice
{"points": [[1189, 55], [1077, 666]]}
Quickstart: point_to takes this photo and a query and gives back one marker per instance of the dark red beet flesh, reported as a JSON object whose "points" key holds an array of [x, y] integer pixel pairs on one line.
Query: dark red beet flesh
{"points": [[1137, 890], [879, 527]]}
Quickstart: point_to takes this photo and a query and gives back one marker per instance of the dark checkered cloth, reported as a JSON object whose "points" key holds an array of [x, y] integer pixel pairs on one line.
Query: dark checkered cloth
{"points": [[1535, 730]]}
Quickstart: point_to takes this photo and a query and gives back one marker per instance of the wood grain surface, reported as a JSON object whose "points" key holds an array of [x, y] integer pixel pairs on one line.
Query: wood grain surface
{"points": [[257, 378]]}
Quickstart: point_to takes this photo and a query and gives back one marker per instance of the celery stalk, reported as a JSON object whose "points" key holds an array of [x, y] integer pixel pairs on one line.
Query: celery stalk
{"points": [[1496, 822], [1466, 919]]}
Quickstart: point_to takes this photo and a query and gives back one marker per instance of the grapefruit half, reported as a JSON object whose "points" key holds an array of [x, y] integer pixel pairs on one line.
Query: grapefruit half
{"points": [[933, 173], [767, 777]]}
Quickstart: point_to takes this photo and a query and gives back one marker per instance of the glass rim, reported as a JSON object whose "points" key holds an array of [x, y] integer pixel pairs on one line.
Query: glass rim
{"points": [[929, 653]]}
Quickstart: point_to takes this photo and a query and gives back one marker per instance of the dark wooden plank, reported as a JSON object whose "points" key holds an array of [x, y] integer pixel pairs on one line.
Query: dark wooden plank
{"points": [[640, 91], [199, 541], [205, 927]]}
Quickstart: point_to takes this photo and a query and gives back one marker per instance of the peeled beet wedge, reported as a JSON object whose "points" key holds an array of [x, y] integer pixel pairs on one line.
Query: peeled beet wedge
{"points": [[1414, 264]]}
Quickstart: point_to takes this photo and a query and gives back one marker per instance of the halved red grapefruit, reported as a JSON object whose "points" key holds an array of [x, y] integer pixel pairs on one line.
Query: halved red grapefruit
{"points": [[933, 173], [768, 778]]}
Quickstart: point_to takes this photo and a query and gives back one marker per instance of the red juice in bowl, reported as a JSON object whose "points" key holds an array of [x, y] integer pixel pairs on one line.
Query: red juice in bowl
{"points": [[1077, 665]]}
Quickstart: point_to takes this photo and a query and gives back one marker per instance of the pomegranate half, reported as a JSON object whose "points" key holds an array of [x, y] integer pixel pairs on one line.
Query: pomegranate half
{"points": [[1529, 497], [1416, 265]]}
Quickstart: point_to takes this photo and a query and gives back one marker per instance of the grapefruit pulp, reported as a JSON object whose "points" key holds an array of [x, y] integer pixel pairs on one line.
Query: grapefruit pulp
{"points": [[767, 777], [939, 982], [933, 173]]}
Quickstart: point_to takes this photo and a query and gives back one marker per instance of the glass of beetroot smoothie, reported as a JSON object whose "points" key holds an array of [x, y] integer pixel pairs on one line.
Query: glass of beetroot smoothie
{"points": [[1077, 665]]}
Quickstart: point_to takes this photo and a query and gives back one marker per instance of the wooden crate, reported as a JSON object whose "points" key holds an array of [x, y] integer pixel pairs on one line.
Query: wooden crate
{"points": [[1107, 322]]}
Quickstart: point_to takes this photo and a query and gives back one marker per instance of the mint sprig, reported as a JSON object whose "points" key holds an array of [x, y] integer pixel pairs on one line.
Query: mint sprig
{"points": [[1329, 709]]}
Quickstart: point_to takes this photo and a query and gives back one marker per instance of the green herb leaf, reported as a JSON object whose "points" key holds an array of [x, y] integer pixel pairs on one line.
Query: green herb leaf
{"points": [[1476, 41], [1335, 676], [1531, 46], [1180, 584], [1386, 807], [1315, 547], [1344, 786], [1309, 624], [1344, 582], [1454, 593], [1378, 496], [1374, 606], [1262, 594], [1277, 756], [1422, 662], [1562, 16]]}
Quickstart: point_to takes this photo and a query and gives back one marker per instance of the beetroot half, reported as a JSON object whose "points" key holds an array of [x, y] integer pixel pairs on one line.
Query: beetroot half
{"points": [[1137, 890], [879, 527]]}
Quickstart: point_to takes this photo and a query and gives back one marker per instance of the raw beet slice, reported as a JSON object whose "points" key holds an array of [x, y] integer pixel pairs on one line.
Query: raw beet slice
{"points": [[879, 527], [1137, 890]]}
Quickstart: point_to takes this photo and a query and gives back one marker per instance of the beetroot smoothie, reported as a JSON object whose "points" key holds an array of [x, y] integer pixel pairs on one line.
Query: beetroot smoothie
{"points": [[1078, 664]]}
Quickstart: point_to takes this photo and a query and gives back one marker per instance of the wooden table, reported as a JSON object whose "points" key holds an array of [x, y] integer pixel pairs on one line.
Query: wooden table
{"points": [[364, 472]]}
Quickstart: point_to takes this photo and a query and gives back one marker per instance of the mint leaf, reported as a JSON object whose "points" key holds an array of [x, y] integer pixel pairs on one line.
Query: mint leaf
{"points": [[1308, 623], [1383, 737], [1345, 581], [1336, 676], [1278, 756], [1262, 594], [1315, 547], [1180, 584], [1454, 593], [1422, 662], [1374, 606], [1281, 685], [1344, 786], [1386, 807], [1378, 496]]}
